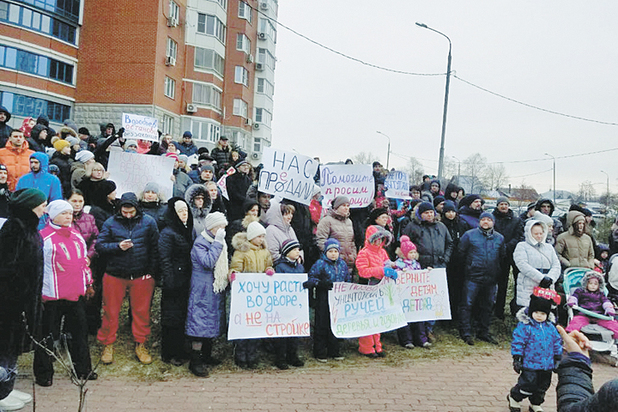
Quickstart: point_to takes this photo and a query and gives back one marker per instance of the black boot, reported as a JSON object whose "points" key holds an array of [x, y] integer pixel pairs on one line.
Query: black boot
{"points": [[196, 365], [207, 353]]}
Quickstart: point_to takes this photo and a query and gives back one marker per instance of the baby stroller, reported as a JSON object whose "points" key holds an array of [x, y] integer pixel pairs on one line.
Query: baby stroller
{"points": [[601, 339], [611, 279]]}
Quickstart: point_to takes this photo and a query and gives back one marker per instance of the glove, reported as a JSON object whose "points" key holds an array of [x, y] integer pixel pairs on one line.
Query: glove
{"points": [[220, 236], [546, 282], [270, 271], [120, 132], [518, 363], [390, 273], [610, 311], [232, 277], [325, 284], [557, 359], [572, 301]]}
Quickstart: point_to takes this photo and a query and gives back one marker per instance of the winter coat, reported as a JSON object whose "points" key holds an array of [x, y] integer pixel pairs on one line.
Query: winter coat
{"points": [[5, 194], [237, 226], [155, 210], [5, 129], [93, 195], [66, 274], [218, 205], [277, 231], [182, 184], [339, 227], [237, 186], [64, 163], [371, 258], [37, 144], [482, 253], [175, 243], [432, 239], [456, 228], [575, 391], [16, 160], [137, 261], [470, 217], [101, 214], [199, 214], [303, 227], [594, 301], [322, 273], [407, 264], [206, 310], [536, 342], [574, 250], [511, 227], [249, 258], [535, 260], [285, 265], [42, 180], [558, 228], [187, 149], [223, 157], [87, 227]]}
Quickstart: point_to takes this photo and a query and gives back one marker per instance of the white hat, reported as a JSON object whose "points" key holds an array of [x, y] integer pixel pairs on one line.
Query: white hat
{"points": [[254, 230], [83, 156], [58, 206], [215, 219]]}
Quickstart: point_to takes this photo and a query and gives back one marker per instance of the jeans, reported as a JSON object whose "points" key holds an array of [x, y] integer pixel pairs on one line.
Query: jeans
{"points": [[482, 296]]}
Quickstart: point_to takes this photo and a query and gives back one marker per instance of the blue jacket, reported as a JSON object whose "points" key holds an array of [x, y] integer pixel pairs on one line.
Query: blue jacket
{"points": [[284, 265], [482, 253], [536, 342], [42, 180], [326, 269]]}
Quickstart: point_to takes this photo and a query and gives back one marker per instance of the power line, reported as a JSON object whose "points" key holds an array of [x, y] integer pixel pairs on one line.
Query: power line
{"points": [[531, 174], [543, 159]]}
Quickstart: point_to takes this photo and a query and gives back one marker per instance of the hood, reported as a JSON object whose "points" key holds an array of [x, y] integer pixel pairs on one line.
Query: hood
{"points": [[450, 188], [8, 114], [172, 219], [43, 159], [574, 217], [36, 131], [192, 192], [523, 317], [593, 274], [375, 232], [275, 217], [551, 205], [437, 182], [242, 244], [528, 231], [43, 119]]}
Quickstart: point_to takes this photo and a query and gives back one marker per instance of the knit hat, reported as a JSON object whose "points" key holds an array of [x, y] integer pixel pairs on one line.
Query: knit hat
{"points": [[467, 200], [539, 304], [487, 215], [424, 207], [254, 230], [83, 130], [376, 213], [53, 169], [61, 144], [130, 143], [72, 140], [531, 205], [288, 245], [449, 206], [187, 134], [151, 187], [128, 199], [58, 206], [172, 155], [215, 219], [84, 155], [28, 198], [437, 200], [183, 158], [330, 244], [406, 245], [503, 199], [207, 167], [339, 200], [3, 167], [107, 186]]}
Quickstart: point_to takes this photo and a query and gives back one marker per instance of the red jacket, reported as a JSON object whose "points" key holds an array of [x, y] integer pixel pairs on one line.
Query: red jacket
{"points": [[371, 258]]}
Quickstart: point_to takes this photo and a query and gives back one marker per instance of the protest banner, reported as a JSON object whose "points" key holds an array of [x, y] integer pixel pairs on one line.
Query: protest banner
{"points": [[222, 182], [289, 175], [397, 185], [265, 306], [361, 310], [424, 295], [131, 172], [140, 127], [353, 181]]}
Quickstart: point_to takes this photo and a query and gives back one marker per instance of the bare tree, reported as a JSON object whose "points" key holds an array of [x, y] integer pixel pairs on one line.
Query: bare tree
{"points": [[586, 191], [451, 169], [364, 158], [474, 167], [495, 176], [414, 168]]}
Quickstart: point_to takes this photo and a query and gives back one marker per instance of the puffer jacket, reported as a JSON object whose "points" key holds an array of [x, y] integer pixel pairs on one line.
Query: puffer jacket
{"points": [[285, 265], [371, 258], [249, 258], [536, 342], [277, 231], [87, 227], [329, 270], [575, 391], [199, 214], [64, 163], [42, 180], [139, 260], [482, 253], [574, 250], [532, 259], [593, 301], [182, 183], [432, 239], [17, 161], [511, 227], [155, 210], [335, 226]]}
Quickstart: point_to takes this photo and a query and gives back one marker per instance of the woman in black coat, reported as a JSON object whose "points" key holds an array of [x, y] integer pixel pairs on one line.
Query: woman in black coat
{"points": [[175, 243], [237, 186]]}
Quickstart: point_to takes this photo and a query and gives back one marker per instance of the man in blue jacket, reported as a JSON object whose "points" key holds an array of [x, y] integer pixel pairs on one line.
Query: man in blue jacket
{"points": [[128, 242], [482, 250], [40, 178]]}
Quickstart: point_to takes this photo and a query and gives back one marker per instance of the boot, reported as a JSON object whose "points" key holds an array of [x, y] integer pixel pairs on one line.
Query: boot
{"points": [[142, 354], [514, 406], [107, 356], [196, 365], [207, 353], [535, 408]]}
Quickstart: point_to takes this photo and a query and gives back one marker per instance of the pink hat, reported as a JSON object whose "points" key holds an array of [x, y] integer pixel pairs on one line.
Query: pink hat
{"points": [[406, 245], [172, 155]]}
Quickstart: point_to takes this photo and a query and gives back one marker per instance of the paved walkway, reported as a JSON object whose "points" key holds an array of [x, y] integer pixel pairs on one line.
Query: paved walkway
{"points": [[476, 383]]}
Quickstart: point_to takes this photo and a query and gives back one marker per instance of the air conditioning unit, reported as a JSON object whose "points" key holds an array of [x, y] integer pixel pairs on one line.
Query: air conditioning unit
{"points": [[262, 36], [191, 108], [259, 67], [249, 58], [248, 122], [255, 156], [256, 126], [172, 22], [263, 6], [170, 61]]}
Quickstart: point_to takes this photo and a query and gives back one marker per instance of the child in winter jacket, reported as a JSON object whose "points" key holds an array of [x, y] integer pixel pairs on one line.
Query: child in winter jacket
{"points": [[286, 349], [413, 332], [592, 298], [328, 269], [370, 264], [251, 255], [536, 350]]}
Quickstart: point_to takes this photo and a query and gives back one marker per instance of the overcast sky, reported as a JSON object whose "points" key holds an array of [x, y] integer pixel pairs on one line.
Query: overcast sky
{"points": [[558, 55]]}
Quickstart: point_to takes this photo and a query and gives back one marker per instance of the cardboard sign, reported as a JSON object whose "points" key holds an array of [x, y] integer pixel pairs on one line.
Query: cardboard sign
{"points": [[131, 172], [353, 181], [361, 310], [288, 175], [222, 182], [397, 185], [424, 294], [140, 127], [269, 306]]}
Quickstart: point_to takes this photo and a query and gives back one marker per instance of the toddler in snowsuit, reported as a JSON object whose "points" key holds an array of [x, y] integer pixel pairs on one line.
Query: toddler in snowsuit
{"points": [[536, 350], [328, 269]]}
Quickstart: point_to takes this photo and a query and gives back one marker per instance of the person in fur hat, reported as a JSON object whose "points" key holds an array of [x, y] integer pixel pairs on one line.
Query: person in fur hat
{"points": [[591, 297], [536, 350]]}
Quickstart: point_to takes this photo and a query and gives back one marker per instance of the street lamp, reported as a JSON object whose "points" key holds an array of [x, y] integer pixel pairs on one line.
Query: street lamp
{"points": [[448, 82], [547, 154], [388, 154], [607, 200]]}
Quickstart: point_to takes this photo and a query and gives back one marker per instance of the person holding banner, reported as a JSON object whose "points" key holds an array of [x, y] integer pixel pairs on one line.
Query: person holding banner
{"points": [[237, 186], [279, 218], [337, 225]]}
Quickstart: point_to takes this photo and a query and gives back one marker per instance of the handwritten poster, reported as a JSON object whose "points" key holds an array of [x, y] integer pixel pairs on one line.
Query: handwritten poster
{"points": [[361, 310], [131, 172], [140, 127], [397, 185], [424, 295], [268, 306], [353, 181], [222, 182], [287, 174]]}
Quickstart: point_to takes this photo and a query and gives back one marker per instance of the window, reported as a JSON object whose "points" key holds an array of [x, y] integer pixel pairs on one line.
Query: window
{"points": [[243, 43], [268, 29], [32, 63], [207, 95], [262, 116], [265, 87], [222, 3], [20, 105], [241, 76], [244, 11], [168, 124], [174, 11], [172, 50], [68, 9], [265, 57], [33, 20], [211, 25], [205, 131], [209, 59], [240, 108], [257, 144], [170, 87]]}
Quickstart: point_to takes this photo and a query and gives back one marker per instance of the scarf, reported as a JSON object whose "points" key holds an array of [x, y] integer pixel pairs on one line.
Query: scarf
{"points": [[221, 267]]}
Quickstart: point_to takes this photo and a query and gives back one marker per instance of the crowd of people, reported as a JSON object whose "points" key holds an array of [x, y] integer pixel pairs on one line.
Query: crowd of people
{"points": [[71, 249]]}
